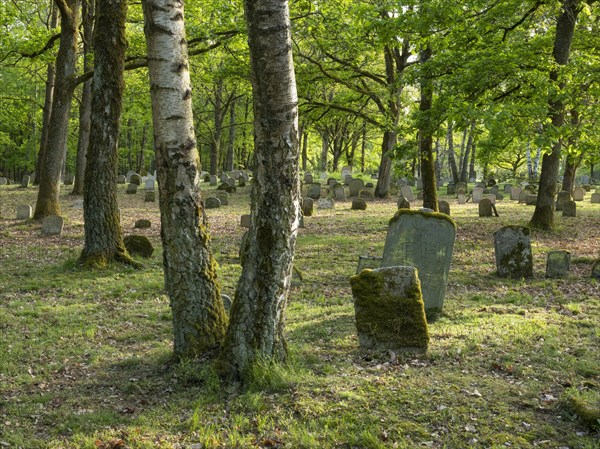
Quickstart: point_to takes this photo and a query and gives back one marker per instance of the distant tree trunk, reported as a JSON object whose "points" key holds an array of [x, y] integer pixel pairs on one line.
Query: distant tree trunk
{"points": [[572, 162], [363, 147], [47, 112], [102, 226], [385, 166], [536, 162], [426, 137], [256, 329], [451, 154], [199, 319], [324, 148], [543, 216], [215, 143], [529, 162], [472, 174], [143, 140], [438, 161], [304, 134], [245, 154], [465, 160], [48, 196], [85, 108], [231, 142]]}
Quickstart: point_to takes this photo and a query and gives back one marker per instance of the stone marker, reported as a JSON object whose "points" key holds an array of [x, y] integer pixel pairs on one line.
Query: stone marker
{"points": [[562, 197], [24, 212], [595, 198], [314, 191], [451, 188], [370, 262], [135, 179], [491, 197], [245, 220], [122, 179], [308, 207], [355, 186], [348, 179], [578, 194], [325, 203], [131, 189], [596, 270], [213, 180], [3, 181], [138, 245], [444, 207], [523, 196], [212, 203], [52, 225], [366, 194], [507, 188], [477, 194], [394, 190], [25, 181], [143, 224], [485, 208], [308, 178], [461, 187], [359, 204], [403, 203], [150, 196], [339, 193], [419, 184], [149, 183], [425, 241], [515, 193], [558, 264], [462, 198], [407, 193], [389, 311], [513, 252], [569, 209], [530, 200], [223, 197]]}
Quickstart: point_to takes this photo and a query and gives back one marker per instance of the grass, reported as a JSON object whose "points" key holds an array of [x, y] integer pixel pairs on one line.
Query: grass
{"points": [[85, 356]]}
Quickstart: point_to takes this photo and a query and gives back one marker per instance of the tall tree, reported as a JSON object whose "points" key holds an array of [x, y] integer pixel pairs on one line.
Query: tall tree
{"points": [[256, 327], [54, 157], [543, 216], [102, 225], [199, 319]]}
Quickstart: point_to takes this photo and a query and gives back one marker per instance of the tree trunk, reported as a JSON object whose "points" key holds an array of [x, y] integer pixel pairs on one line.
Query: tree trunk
{"points": [[85, 108], [304, 134], [231, 142], [572, 162], [256, 329], [199, 319], [103, 236], [451, 154], [385, 166], [426, 137], [543, 216], [472, 174], [48, 196], [465, 160], [215, 144], [324, 148]]}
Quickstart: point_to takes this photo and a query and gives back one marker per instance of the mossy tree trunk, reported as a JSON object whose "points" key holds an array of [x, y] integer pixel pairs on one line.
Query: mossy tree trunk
{"points": [[56, 149], [103, 236], [543, 216], [256, 328], [426, 136], [199, 319]]}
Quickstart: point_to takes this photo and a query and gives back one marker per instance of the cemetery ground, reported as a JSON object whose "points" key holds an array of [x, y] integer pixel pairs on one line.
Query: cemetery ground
{"points": [[85, 355]]}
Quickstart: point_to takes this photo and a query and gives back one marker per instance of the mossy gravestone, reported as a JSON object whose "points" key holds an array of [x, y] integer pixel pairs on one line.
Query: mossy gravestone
{"points": [[423, 240], [389, 310], [513, 252], [138, 245]]}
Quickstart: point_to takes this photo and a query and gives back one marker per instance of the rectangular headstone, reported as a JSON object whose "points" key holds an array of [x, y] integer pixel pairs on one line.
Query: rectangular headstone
{"points": [[407, 193], [24, 212], [513, 252], [52, 225]]}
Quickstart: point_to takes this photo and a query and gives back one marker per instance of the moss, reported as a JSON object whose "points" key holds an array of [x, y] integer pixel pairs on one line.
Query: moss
{"points": [[585, 405], [400, 212], [385, 320], [138, 245]]}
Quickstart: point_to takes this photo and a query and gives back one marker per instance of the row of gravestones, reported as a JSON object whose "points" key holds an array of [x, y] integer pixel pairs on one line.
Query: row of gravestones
{"points": [[52, 224]]}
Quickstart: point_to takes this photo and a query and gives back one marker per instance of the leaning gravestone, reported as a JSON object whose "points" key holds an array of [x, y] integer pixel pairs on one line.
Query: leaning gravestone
{"points": [[513, 252], [325, 203], [355, 186], [403, 203], [578, 194], [425, 241], [223, 197], [563, 196], [444, 207], [25, 181], [307, 206], [339, 193], [24, 212], [595, 198], [52, 225], [407, 193], [389, 311], [212, 203], [558, 264], [569, 209], [485, 208]]}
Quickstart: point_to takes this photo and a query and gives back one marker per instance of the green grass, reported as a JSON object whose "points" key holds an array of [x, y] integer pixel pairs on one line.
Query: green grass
{"points": [[85, 356]]}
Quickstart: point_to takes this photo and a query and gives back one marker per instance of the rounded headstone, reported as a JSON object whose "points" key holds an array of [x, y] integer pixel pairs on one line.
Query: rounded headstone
{"points": [[444, 207], [307, 207], [143, 224], [52, 225], [212, 203], [403, 203], [513, 252], [359, 204], [569, 209], [150, 196], [138, 245], [132, 189], [325, 203]]}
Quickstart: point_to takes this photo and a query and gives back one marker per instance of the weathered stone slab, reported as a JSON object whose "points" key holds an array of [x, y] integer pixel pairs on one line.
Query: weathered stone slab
{"points": [[485, 208], [490, 196], [389, 310], [135, 179], [368, 262], [477, 194], [425, 241], [407, 193], [132, 189], [25, 181], [150, 196], [403, 203], [451, 188], [569, 209], [462, 198], [213, 181], [24, 212], [513, 252], [314, 191], [52, 225], [245, 220], [359, 204], [530, 200], [212, 203], [138, 245], [150, 183], [595, 198], [308, 178], [578, 194], [558, 264], [121, 179], [307, 206], [461, 187], [355, 186], [515, 193], [339, 193], [366, 194], [3, 181], [444, 207], [562, 197], [223, 197], [507, 188], [143, 224], [325, 203]]}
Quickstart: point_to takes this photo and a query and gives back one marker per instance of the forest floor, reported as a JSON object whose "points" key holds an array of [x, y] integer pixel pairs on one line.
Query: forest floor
{"points": [[85, 356]]}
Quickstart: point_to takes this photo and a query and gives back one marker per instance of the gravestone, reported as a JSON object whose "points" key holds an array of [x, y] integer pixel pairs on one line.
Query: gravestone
{"points": [[69, 179], [530, 200], [150, 196], [149, 183], [308, 178], [348, 179], [513, 252], [491, 182], [507, 188], [366, 194], [596, 270], [212, 203], [138, 245], [331, 182], [223, 197], [569, 209], [3, 181], [563, 196], [587, 187], [394, 190], [24, 212], [584, 179], [523, 197], [213, 180], [530, 188], [578, 194], [345, 173], [595, 198], [359, 204], [444, 207], [425, 241], [25, 181], [403, 203], [490, 196], [325, 203], [307, 207], [461, 187], [245, 220], [462, 198], [339, 193], [122, 179], [407, 193], [231, 182], [494, 190], [451, 188], [369, 185], [368, 262], [419, 184], [143, 224], [485, 208], [314, 191], [131, 189], [515, 193], [355, 187], [224, 177], [389, 311], [135, 179], [477, 194], [52, 225], [558, 264]]}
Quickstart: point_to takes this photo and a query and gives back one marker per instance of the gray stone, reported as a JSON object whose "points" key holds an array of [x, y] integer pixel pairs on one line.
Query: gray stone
{"points": [[308, 178], [461, 187], [490, 196], [389, 312], [558, 264], [444, 207], [425, 241], [394, 190], [307, 207], [595, 198], [3, 181], [477, 194], [407, 193], [485, 208], [314, 191], [131, 189], [366, 194], [223, 197], [325, 203], [578, 194], [462, 198], [419, 184], [403, 203], [227, 305], [150, 196], [213, 180], [138, 245], [359, 204], [135, 179], [224, 177], [513, 252], [355, 186], [348, 179], [530, 200], [339, 193], [530, 188], [77, 204], [451, 188], [368, 262], [149, 184], [331, 182], [369, 185], [231, 182], [212, 203], [523, 197], [515, 193], [24, 212], [52, 225], [122, 179], [143, 224], [569, 209], [563, 196], [245, 220], [507, 188], [25, 181]]}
